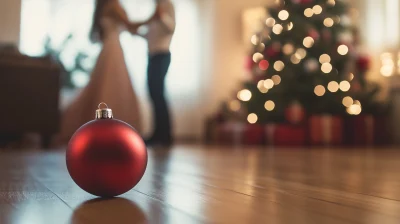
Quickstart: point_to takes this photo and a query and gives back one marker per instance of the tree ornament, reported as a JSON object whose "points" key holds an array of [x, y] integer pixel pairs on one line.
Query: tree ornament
{"points": [[363, 63], [106, 157]]}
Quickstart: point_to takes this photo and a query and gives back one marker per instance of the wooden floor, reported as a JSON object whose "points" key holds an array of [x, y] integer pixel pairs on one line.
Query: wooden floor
{"points": [[202, 184]]}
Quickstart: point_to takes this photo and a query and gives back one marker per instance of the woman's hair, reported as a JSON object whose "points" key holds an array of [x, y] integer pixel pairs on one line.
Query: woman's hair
{"points": [[97, 32]]}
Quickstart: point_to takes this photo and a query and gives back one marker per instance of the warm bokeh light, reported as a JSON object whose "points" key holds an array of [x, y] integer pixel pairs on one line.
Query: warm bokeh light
{"points": [[324, 58], [288, 49], [255, 39], [277, 29], [263, 65], [351, 76], [261, 47], [294, 59], [269, 105], [308, 12], [328, 22], [308, 42], [279, 66], [317, 9], [301, 53], [270, 22], [347, 101], [290, 26], [234, 105], [354, 109], [326, 68], [345, 86], [261, 87], [357, 102], [343, 49], [319, 90], [283, 15], [244, 95], [252, 118], [257, 57], [333, 86], [268, 83], [331, 2], [276, 79], [388, 65]]}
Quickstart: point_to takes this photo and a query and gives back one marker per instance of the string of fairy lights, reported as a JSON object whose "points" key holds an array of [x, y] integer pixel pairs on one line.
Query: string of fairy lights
{"points": [[353, 107]]}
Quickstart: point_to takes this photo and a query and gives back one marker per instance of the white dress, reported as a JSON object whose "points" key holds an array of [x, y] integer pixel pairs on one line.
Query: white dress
{"points": [[109, 83]]}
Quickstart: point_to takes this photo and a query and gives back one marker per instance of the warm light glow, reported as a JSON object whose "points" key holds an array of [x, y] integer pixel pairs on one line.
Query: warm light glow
{"points": [[290, 26], [255, 39], [336, 19], [301, 53], [357, 102], [270, 22], [257, 57], [294, 59], [269, 105], [319, 90], [244, 95], [261, 47], [343, 49], [279, 66], [331, 2], [288, 49], [328, 22], [351, 76], [277, 29], [308, 12], [354, 109], [388, 66], [325, 58], [308, 42], [345, 86], [263, 65], [317, 9], [283, 15], [326, 68], [333, 86], [234, 105], [276, 79], [268, 83], [347, 101], [261, 87], [252, 118]]}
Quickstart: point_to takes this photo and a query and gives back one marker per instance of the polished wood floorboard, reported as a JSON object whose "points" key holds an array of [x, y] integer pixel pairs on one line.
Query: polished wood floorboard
{"points": [[209, 184]]}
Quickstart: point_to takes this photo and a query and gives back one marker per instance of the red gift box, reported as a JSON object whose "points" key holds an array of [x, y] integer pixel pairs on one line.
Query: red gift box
{"points": [[326, 130], [234, 133], [285, 135], [366, 130]]}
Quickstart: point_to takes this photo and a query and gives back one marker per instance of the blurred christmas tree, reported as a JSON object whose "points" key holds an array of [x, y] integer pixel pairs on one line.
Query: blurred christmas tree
{"points": [[305, 55]]}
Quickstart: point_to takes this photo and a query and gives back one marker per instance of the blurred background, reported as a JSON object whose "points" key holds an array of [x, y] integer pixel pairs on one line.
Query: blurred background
{"points": [[255, 72]]}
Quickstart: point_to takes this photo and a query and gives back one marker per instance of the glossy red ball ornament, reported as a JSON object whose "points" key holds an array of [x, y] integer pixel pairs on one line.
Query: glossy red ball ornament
{"points": [[106, 157]]}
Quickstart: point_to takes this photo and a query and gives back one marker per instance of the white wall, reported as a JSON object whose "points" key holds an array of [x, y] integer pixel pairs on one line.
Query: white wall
{"points": [[10, 14]]}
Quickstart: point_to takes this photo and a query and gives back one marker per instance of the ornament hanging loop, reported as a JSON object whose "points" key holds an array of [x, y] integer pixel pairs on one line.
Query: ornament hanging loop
{"points": [[102, 103], [103, 113]]}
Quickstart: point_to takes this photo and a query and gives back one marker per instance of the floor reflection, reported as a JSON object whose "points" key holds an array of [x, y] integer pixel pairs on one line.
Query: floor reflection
{"points": [[112, 210]]}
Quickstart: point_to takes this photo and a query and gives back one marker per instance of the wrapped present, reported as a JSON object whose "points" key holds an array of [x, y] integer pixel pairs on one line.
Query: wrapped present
{"points": [[366, 130], [235, 133], [325, 130], [285, 135]]}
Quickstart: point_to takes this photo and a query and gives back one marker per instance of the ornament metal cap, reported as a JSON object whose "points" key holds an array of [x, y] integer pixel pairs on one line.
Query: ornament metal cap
{"points": [[104, 113]]}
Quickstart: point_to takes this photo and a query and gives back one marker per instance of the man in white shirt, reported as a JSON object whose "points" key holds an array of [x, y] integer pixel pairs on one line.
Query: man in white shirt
{"points": [[160, 31]]}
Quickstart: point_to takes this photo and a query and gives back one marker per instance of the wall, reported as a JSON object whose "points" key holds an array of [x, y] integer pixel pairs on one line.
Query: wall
{"points": [[10, 11]]}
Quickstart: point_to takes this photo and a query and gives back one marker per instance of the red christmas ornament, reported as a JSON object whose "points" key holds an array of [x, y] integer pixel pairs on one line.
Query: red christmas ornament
{"points": [[313, 34], [106, 157], [271, 52], [363, 63], [306, 2]]}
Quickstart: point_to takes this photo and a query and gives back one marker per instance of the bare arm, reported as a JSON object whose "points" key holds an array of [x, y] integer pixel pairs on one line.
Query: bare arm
{"points": [[120, 14], [166, 13]]}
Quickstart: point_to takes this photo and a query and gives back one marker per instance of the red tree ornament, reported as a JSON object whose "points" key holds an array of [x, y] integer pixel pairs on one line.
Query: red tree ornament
{"points": [[106, 157], [363, 63]]}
